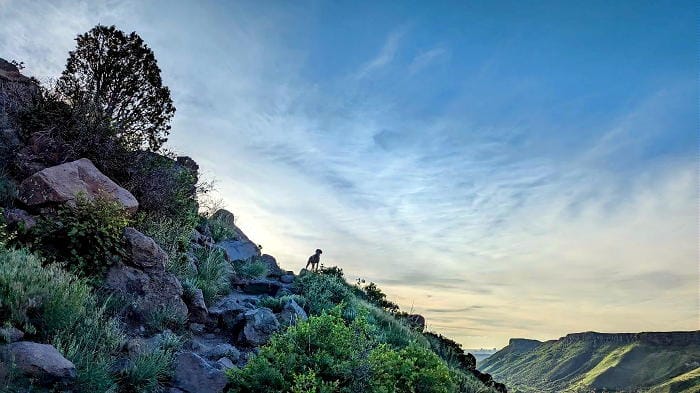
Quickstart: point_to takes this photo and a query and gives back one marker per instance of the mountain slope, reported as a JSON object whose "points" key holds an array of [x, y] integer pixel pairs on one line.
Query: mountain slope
{"points": [[596, 361]]}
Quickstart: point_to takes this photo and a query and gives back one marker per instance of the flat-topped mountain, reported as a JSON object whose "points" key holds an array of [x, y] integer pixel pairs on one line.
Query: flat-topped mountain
{"points": [[591, 361]]}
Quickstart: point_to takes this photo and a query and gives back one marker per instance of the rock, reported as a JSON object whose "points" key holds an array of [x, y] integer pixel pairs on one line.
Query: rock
{"points": [[11, 334], [197, 307], [224, 364], [61, 183], [197, 328], [225, 217], [273, 269], [143, 251], [287, 278], [41, 362], [18, 219], [238, 250], [291, 313], [10, 138], [16, 90], [222, 350], [258, 325], [194, 375], [416, 321], [260, 287], [151, 291], [228, 308]]}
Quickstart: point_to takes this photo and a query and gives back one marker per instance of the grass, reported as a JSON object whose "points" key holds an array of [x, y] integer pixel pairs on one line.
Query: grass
{"points": [[147, 371], [250, 269], [164, 317], [213, 274]]}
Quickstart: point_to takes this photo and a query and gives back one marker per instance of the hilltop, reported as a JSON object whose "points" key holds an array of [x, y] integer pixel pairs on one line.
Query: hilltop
{"points": [[115, 276], [590, 361]]}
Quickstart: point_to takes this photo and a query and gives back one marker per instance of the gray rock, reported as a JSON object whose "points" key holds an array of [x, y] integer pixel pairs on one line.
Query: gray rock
{"points": [[197, 328], [273, 269], [258, 325], [197, 307], [143, 251], [291, 313], [152, 291], [194, 375], [41, 362], [61, 183], [222, 350], [287, 278], [224, 216], [18, 219], [238, 250], [226, 310], [261, 287], [224, 364], [11, 334]]}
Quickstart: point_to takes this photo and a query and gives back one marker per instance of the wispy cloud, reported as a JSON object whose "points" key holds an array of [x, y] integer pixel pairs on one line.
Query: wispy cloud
{"points": [[424, 59], [385, 56]]}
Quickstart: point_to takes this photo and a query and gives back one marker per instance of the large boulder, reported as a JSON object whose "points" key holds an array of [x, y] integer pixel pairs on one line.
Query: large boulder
{"points": [[18, 219], [16, 90], [143, 251], [62, 183], [273, 269], [291, 313], [258, 325], [227, 309], [41, 362], [239, 250], [151, 291], [225, 217], [194, 375], [260, 287]]}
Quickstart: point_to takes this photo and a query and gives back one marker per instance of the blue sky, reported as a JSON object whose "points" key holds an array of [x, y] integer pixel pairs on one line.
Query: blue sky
{"points": [[507, 169]]}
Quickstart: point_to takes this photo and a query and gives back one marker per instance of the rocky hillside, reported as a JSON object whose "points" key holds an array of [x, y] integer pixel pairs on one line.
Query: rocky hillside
{"points": [[583, 362], [115, 278]]}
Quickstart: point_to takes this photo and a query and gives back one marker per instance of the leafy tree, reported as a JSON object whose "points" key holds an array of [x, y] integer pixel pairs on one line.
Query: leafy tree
{"points": [[117, 74]]}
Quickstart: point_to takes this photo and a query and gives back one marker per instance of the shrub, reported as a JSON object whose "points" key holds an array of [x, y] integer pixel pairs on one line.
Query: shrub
{"points": [[323, 345], [8, 190], [410, 369], [277, 303], [91, 344], [252, 268], [333, 271], [164, 317], [221, 229], [88, 236], [323, 292], [374, 295], [147, 371], [213, 274], [119, 75], [172, 237], [39, 300]]}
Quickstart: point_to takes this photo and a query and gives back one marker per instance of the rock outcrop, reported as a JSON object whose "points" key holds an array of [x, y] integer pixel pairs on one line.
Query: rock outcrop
{"points": [[41, 362], [194, 375], [62, 183], [258, 325], [291, 313]]}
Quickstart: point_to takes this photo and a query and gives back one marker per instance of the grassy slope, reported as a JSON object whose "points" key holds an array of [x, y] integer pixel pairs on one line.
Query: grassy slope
{"points": [[580, 366], [684, 383]]}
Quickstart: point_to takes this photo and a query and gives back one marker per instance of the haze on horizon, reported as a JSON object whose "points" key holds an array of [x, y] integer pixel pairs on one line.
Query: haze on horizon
{"points": [[504, 170]]}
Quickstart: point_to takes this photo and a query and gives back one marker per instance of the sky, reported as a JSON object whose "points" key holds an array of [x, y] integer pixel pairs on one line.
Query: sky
{"points": [[506, 169]]}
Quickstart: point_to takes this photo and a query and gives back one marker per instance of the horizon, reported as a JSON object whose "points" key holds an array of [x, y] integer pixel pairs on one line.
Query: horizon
{"points": [[505, 171]]}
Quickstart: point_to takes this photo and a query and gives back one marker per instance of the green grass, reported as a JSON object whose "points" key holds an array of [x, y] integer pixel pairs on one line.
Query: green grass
{"points": [[684, 383]]}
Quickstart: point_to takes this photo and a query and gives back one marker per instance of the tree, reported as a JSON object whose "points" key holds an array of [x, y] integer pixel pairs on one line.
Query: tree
{"points": [[117, 75]]}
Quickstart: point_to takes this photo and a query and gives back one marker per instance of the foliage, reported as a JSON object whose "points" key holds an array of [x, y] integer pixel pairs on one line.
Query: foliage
{"points": [[410, 369], [323, 292], [165, 317], [118, 75], [252, 268], [147, 371], [333, 271], [39, 300], [213, 274], [450, 351], [323, 344], [8, 190], [221, 229], [374, 295], [87, 236], [326, 354], [276, 304], [91, 344]]}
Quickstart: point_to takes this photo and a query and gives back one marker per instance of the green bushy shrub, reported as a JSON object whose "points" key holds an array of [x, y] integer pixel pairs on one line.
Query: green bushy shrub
{"points": [[87, 236], [39, 300], [328, 354], [213, 274], [323, 292], [252, 268], [221, 229]]}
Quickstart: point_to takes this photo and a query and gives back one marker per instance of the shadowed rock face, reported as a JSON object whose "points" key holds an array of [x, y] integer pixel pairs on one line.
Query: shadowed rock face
{"points": [[62, 183], [194, 375]]}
